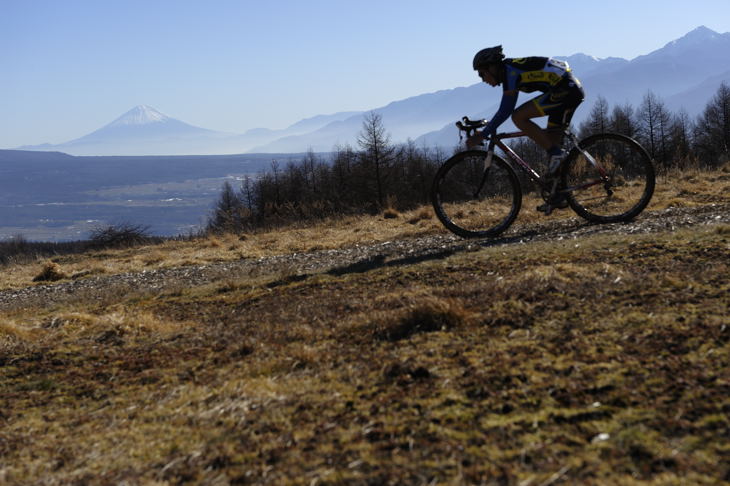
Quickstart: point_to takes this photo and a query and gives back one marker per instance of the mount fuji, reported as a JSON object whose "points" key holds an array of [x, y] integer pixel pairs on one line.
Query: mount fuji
{"points": [[141, 131]]}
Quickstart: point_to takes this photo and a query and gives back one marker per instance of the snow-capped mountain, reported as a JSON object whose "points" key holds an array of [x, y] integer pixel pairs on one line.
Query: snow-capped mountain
{"points": [[685, 72], [698, 40], [678, 66], [143, 130], [140, 115], [144, 122]]}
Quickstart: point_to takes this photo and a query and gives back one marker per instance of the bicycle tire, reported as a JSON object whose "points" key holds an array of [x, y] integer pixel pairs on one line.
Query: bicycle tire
{"points": [[474, 201], [625, 190]]}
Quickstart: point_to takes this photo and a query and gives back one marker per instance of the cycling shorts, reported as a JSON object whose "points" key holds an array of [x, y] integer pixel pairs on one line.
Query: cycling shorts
{"points": [[559, 103]]}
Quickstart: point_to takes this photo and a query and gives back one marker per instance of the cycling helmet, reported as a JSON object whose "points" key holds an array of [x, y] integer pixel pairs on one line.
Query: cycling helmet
{"points": [[490, 55]]}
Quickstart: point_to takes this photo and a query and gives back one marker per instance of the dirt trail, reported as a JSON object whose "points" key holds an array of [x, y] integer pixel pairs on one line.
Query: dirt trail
{"points": [[359, 258]]}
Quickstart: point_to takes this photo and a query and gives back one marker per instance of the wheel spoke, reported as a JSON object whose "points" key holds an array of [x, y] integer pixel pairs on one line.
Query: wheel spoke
{"points": [[474, 201], [630, 182]]}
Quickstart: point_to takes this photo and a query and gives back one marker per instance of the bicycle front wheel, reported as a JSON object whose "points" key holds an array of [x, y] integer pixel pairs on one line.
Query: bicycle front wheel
{"points": [[475, 196], [610, 179]]}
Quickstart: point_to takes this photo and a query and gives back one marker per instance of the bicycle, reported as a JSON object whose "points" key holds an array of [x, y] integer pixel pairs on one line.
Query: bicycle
{"points": [[606, 178]]}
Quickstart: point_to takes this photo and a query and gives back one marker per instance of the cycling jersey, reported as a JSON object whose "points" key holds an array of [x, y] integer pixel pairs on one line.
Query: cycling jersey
{"points": [[530, 74], [562, 91]]}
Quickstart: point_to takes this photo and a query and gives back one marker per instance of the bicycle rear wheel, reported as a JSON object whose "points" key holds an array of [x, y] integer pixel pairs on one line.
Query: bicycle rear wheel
{"points": [[474, 198], [618, 187]]}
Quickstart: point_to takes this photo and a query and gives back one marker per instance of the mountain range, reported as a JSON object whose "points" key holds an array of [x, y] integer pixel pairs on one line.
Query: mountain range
{"points": [[685, 74]]}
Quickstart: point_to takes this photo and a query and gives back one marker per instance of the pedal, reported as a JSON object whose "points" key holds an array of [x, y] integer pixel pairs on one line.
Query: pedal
{"points": [[546, 209], [561, 204]]}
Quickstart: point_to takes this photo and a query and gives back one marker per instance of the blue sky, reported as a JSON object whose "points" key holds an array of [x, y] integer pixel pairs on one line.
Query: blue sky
{"points": [[67, 67]]}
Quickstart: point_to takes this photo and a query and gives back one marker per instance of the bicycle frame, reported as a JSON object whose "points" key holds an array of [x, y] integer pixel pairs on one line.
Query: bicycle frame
{"points": [[496, 140]]}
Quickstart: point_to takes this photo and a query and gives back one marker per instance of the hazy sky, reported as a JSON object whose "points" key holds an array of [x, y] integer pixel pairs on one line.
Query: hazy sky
{"points": [[67, 67]]}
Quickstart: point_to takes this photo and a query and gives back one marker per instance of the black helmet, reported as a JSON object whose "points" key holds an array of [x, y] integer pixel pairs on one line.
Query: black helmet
{"points": [[490, 55]]}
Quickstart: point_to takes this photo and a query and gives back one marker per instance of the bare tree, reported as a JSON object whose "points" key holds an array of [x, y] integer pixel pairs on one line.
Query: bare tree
{"points": [[623, 120], [309, 164], [277, 181], [681, 129], [713, 127], [378, 153], [654, 120], [343, 166], [598, 120], [227, 211], [247, 192]]}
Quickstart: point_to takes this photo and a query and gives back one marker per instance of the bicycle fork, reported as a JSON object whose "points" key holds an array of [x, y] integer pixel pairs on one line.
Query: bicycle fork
{"points": [[487, 164]]}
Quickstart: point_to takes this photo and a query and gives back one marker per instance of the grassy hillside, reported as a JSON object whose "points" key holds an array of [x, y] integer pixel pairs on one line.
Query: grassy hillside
{"points": [[599, 360]]}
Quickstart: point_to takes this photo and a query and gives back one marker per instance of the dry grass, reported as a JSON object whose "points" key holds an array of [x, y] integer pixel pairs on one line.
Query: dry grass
{"points": [[598, 363], [605, 362], [674, 189], [50, 272], [693, 188], [343, 232]]}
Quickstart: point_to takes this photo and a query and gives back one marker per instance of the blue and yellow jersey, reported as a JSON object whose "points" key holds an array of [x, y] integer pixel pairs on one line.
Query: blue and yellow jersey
{"points": [[528, 74], [563, 92]]}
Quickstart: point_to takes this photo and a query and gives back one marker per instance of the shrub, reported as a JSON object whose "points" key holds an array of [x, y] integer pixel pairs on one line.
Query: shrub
{"points": [[50, 272], [18, 249], [119, 236]]}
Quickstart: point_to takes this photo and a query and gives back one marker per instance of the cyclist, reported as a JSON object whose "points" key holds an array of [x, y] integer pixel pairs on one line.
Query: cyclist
{"points": [[561, 94]]}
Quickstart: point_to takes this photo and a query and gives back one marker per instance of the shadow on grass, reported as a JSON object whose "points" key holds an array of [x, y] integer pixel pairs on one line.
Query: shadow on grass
{"points": [[429, 254], [566, 228]]}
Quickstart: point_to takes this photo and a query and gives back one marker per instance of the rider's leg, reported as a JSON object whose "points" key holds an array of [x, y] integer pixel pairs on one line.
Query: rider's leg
{"points": [[551, 141], [556, 130], [522, 118]]}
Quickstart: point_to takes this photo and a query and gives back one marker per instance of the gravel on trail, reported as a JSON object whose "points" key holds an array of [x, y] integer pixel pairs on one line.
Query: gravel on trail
{"points": [[357, 258]]}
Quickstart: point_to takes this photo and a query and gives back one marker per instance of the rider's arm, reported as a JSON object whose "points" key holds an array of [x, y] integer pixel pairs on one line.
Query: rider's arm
{"points": [[506, 107]]}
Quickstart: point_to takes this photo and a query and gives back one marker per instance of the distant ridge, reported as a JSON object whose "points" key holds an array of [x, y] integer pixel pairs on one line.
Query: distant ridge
{"points": [[686, 72], [144, 130]]}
